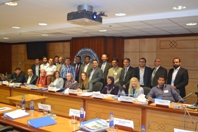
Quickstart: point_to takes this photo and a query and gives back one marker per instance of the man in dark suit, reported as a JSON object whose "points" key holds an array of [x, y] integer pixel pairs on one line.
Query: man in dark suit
{"points": [[143, 73], [77, 66], [56, 60], [86, 66], [157, 71], [95, 74], [17, 77], [30, 78], [105, 66], [178, 77], [126, 74], [36, 67]]}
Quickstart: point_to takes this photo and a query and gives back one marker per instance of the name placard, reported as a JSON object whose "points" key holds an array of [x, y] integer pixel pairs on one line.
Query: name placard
{"points": [[5, 82], [54, 89], [162, 102], [123, 122], [126, 99], [73, 91], [44, 107], [97, 95], [74, 112]]}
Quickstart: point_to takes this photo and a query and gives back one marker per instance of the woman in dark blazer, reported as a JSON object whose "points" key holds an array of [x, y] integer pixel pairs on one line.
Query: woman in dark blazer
{"points": [[110, 88]]}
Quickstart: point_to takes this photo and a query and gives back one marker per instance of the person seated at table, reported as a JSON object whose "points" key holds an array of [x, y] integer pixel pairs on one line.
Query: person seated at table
{"points": [[84, 84], [30, 78], [110, 88], [164, 91], [17, 77], [134, 88], [58, 82], [42, 80], [70, 83]]}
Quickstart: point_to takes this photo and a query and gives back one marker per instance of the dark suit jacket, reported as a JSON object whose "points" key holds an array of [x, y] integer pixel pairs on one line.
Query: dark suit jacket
{"points": [[33, 67], [97, 75], [181, 80], [147, 75], [82, 69], [160, 72], [77, 75], [33, 79], [107, 67], [17, 79], [130, 73]]}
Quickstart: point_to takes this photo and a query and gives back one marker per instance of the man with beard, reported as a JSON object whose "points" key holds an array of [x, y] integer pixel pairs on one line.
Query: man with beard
{"points": [[45, 64], [178, 77]]}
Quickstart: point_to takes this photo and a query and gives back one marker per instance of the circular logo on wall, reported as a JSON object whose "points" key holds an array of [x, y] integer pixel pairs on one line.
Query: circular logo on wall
{"points": [[86, 52]]}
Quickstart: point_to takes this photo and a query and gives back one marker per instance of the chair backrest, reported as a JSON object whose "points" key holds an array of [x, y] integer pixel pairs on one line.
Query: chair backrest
{"points": [[97, 86], [146, 90]]}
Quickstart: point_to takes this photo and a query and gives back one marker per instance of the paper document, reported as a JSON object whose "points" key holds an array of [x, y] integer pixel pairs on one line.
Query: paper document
{"points": [[5, 109], [16, 114]]}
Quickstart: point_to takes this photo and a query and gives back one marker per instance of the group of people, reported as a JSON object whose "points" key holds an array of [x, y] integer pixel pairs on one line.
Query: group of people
{"points": [[87, 76]]}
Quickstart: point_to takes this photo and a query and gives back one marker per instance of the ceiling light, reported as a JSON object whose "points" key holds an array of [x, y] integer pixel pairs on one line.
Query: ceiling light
{"points": [[16, 27], [191, 24], [120, 14], [11, 3], [42, 24], [179, 7], [103, 30], [45, 35], [5, 38]]}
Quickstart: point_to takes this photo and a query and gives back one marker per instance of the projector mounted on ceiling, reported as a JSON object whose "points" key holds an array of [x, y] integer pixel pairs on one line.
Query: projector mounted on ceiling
{"points": [[84, 16]]}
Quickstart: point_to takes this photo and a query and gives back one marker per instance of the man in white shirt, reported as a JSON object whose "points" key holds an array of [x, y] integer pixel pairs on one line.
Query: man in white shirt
{"points": [[51, 68], [178, 77], [45, 64]]}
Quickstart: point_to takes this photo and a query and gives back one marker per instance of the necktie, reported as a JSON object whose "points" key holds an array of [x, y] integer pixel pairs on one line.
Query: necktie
{"points": [[153, 75], [103, 67], [77, 69], [125, 73]]}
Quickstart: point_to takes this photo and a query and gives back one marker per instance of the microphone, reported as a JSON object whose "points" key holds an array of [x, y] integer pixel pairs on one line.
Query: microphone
{"points": [[185, 97]]}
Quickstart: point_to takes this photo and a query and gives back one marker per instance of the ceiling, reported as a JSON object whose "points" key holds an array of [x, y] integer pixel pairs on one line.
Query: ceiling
{"points": [[143, 18]]}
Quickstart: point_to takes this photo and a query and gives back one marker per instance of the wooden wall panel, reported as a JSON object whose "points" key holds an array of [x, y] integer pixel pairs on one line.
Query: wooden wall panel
{"points": [[5, 58], [167, 48]]}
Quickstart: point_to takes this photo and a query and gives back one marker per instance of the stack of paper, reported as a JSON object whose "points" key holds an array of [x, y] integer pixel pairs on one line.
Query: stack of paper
{"points": [[94, 125], [40, 122], [16, 114]]}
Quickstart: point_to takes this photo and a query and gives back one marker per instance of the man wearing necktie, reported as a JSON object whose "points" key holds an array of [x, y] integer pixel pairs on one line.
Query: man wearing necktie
{"points": [[105, 66], [77, 66], [157, 71], [126, 74]]}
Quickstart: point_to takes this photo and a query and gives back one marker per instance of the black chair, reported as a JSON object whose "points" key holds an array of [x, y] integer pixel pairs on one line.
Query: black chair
{"points": [[6, 128], [97, 86], [146, 90]]}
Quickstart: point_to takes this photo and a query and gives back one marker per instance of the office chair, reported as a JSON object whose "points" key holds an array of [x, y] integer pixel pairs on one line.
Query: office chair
{"points": [[146, 90], [97, 86]]}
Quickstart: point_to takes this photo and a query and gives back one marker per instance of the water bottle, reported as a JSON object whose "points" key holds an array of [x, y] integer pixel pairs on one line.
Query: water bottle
{"points": [[123, 93], [32, 107], [23, 102], [143, 129], [111, 122], [81, 114]]}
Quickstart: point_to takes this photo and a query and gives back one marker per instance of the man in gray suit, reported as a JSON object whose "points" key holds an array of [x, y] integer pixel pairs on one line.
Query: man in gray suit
{"points": [[95, 74], [157, 71], [105, 66], [86, 66]]}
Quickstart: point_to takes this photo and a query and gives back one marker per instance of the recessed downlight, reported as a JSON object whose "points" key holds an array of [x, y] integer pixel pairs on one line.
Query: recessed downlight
{"points": [[11, 3], [180, 7], [191, 24], [44, 35], [42, 24], [5, 38], [102, 30], [120, 14], [16, 27]]}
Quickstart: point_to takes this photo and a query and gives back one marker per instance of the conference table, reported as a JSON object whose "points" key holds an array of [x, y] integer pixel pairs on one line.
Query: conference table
{"points": [[153, 117]]}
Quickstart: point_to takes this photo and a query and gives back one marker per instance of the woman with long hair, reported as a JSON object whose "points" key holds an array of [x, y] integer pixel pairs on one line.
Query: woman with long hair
{"points": [[134, 88], [84, 84]]}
